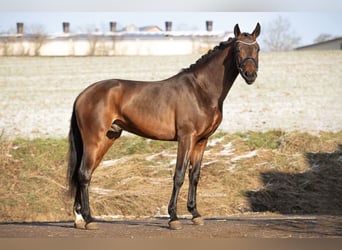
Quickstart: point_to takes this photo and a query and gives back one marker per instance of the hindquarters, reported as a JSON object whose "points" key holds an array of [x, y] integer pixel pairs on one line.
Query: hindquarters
{"points": [[95, 111], [90, 127], [91, 134]]}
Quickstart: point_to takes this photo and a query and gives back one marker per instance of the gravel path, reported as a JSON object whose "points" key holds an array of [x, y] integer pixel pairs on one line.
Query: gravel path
{"points": [[156, 228]]}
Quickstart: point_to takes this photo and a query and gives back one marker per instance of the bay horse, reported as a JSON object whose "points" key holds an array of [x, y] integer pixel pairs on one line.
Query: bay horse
{"points": [[186, 108]]}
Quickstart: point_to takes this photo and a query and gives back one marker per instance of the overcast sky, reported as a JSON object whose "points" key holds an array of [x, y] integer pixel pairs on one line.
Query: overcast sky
{"points": [[308, 18]]}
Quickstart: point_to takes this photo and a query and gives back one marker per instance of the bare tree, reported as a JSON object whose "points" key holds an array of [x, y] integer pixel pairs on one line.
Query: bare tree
{"points": [[5, 43], [36, 35], [92, 38], [39, 39], [24, 44], [323, 37], [279, 36]]}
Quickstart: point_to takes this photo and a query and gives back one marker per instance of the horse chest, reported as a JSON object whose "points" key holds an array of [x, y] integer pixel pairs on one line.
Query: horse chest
{"points": [[217, 118], [212, 121]]}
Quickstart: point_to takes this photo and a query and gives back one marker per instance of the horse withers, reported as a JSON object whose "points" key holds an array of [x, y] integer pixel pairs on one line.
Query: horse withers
{"points": [[186, 108]]}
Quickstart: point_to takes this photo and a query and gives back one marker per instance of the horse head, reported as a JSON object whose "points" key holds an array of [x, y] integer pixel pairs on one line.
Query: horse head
{"points": [[246, 53]]}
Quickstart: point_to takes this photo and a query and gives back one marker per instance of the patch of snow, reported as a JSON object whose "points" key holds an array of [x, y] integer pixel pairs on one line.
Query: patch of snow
{"points": [[110, 163], [248, 155], [173, 162], [114, 217], [101, 191], [151, 157], [208, 163], [163, 154], [262, 163], [213, 195], [231, 168], [214, 142], [227, 149]]}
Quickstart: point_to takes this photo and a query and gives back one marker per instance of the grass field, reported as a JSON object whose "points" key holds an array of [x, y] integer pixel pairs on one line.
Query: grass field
{"points": [[294, 91]]}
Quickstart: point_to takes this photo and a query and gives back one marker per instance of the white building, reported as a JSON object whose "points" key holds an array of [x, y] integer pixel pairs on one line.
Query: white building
{"points": [[130, 41]]}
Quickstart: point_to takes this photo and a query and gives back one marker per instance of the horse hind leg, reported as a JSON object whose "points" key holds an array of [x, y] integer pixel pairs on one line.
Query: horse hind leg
{"points": [[83, 218], [93, 154], [79, 222]]}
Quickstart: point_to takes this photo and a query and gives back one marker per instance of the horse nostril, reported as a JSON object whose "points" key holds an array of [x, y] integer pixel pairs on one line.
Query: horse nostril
{"points": [[250, 74]]}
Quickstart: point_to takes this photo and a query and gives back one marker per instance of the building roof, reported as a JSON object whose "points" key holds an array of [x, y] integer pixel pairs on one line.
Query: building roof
{"points": [[320, 43], [128, 31]]}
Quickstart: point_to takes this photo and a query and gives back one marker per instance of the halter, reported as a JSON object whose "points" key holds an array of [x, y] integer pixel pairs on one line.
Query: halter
{"points": [[239, 64], [246, 43]]}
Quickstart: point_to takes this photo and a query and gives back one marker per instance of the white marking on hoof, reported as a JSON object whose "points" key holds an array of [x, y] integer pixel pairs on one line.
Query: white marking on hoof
{"points": [[79, 221]]}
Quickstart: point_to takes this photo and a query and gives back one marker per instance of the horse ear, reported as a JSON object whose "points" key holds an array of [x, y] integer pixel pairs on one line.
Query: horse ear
{"points": [[237, 31], [256, 31]]}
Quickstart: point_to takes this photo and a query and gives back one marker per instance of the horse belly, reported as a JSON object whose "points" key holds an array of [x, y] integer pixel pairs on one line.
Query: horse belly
{"points": [[145, 109], [151, 124]]}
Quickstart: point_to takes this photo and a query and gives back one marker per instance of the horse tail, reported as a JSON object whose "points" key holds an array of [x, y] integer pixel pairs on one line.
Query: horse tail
{"points": [[75, 153]]}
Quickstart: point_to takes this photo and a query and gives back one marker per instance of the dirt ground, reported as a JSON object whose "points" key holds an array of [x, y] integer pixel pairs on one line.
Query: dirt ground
{"points": [[255, 226]]}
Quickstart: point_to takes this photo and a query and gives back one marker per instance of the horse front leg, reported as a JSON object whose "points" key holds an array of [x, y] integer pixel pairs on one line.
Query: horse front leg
{"points": [[178, 179], [194, 175]]}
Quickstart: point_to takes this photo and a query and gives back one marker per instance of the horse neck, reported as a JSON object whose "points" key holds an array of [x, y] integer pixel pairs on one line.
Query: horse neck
{"points": [[219, 74]]}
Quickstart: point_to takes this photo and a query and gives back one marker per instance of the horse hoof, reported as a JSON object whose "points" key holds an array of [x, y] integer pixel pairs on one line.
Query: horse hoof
{"points": [[80, 225], [175, 225], [199, 221], [91, 226]]}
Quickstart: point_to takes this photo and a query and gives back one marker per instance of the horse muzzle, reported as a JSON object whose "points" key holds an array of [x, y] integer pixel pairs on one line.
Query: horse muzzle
{"points": [[248, 69], [249, 76]]}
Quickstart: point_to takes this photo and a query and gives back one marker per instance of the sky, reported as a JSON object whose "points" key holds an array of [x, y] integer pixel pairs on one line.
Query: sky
{"points": [[307, 21]]}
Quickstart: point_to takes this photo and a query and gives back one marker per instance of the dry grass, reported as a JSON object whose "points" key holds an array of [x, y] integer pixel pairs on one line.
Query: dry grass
{"points": [[32, 179], [245, 172]]}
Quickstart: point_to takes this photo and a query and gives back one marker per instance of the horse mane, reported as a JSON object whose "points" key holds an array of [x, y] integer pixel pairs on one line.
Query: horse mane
{"points": [[209, 54]]}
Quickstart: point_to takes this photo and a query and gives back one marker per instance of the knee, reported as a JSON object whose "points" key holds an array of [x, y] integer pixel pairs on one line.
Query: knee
{"points": [[178, 180]]}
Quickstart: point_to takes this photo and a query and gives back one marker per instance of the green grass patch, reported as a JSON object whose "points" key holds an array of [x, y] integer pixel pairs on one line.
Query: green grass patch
{"points": [[267, 140]]}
